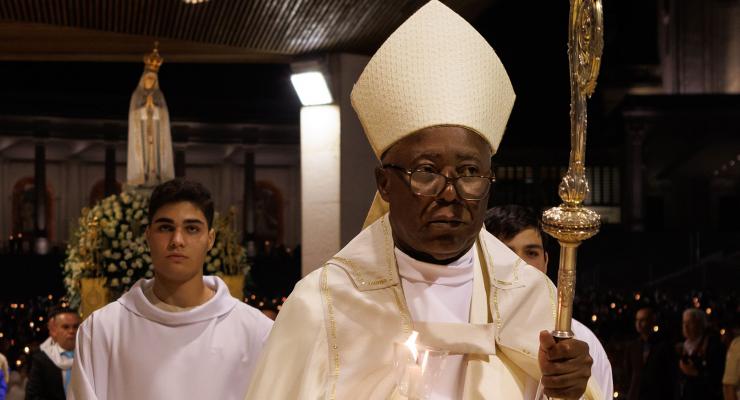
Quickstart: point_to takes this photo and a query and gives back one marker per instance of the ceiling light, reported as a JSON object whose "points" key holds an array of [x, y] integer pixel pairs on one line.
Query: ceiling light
{"points": [[311, 88], [194, 1], [310, 81]]}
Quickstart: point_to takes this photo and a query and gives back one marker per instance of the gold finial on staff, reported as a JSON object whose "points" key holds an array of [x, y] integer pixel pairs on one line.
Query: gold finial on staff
{"points": [[571, 223]]}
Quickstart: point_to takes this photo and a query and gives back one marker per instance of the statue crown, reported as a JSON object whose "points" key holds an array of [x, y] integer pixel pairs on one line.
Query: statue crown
{"points": [[153, 60]]}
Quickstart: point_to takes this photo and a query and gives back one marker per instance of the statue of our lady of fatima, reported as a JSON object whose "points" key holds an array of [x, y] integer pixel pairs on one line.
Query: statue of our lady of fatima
{"points": [[149, 141]]}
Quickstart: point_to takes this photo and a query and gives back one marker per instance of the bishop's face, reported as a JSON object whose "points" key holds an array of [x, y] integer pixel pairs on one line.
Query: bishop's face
{"points": [[179, 239], [437, 228]]}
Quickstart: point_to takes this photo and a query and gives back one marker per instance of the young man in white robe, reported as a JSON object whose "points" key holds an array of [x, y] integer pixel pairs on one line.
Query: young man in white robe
{"points": [[518, 227], [433, 102], [180, 335]]}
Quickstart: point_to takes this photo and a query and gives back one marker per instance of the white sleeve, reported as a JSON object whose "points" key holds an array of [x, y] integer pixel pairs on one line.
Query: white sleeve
{"points": [[82, 384], [601, 370]]}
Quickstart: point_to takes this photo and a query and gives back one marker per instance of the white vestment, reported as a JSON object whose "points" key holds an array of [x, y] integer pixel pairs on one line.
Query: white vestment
{"points": [[601, 370], [440, 293], [335, 335], [130, 349]]}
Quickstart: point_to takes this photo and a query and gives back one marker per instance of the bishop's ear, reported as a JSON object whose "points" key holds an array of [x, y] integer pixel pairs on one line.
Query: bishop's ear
{"points": [[382, 182]]}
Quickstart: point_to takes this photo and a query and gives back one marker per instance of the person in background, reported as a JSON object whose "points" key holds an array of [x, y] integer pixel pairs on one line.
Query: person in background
{"points": [[702, 359], [649, 362], [16, 386], [3, 385], [51, 366], [731, 377], [4, 368]]}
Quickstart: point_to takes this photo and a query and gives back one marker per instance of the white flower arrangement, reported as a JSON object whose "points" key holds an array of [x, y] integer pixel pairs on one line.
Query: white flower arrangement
{"points": [[110, 243]]}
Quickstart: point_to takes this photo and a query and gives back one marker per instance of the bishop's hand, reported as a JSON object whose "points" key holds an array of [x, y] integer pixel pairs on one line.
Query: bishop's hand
{"points": [[565, 366]]}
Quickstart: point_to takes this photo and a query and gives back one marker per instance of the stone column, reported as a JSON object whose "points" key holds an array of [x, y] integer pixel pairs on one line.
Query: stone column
{"points": [[634, 178], [320, 185], [110, 170], [6, 190], [179, 163], [248, 213], [699, 45], [41, 230]]}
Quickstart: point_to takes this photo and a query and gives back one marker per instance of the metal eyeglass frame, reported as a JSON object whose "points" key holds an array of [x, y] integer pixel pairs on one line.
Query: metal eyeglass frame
{"points": [[448, 181]]}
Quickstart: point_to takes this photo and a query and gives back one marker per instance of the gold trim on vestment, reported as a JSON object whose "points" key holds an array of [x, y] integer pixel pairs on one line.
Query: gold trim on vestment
{"points": [[402, 308], [486, 277], [389, 256], [398, 295], [333, 347], [354, 270], [551, 291]]}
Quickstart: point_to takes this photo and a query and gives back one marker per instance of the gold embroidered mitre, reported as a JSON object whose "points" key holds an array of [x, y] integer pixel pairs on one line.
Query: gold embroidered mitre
{"points": [[435, 69]]}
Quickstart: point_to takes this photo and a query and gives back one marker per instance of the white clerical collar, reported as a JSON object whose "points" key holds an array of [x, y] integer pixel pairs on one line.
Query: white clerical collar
{"points": [[148, 290], [220, 304], [455, 273]]}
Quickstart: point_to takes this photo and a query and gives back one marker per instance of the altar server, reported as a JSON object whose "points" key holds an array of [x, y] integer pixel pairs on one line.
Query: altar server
{"points": [[179, 335]]}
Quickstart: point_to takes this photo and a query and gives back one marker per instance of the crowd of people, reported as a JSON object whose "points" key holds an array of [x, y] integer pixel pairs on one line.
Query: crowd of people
{"points": [[652, 338], [662, 344]]}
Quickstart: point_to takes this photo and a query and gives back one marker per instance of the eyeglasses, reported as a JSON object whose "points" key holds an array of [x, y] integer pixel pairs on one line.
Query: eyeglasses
{"points": [[428, 183]]}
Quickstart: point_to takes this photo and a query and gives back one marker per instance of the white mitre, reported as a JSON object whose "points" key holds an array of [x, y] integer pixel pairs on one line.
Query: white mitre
{"points": [[435, 69]]}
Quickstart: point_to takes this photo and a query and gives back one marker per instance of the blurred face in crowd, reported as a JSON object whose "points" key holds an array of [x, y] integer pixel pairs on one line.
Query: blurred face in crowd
{"points": [[692, 327], [179, 239], [63, 329], [644, 321], [527, 244], [439, 228]]}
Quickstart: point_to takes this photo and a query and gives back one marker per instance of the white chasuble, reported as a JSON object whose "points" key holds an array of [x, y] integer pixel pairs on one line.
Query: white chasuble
{"points": [[334, 336]]}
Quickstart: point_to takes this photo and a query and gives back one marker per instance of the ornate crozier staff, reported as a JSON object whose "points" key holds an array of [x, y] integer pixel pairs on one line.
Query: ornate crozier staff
{"points": [[571, 223]]}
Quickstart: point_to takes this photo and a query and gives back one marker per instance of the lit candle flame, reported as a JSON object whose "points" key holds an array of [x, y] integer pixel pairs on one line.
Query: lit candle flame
{"points": [[411, 344], [424, 361]]}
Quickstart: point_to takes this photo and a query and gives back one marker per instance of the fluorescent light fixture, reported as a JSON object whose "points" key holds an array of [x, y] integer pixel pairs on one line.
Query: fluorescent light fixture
{"points": [[311, 88]]}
